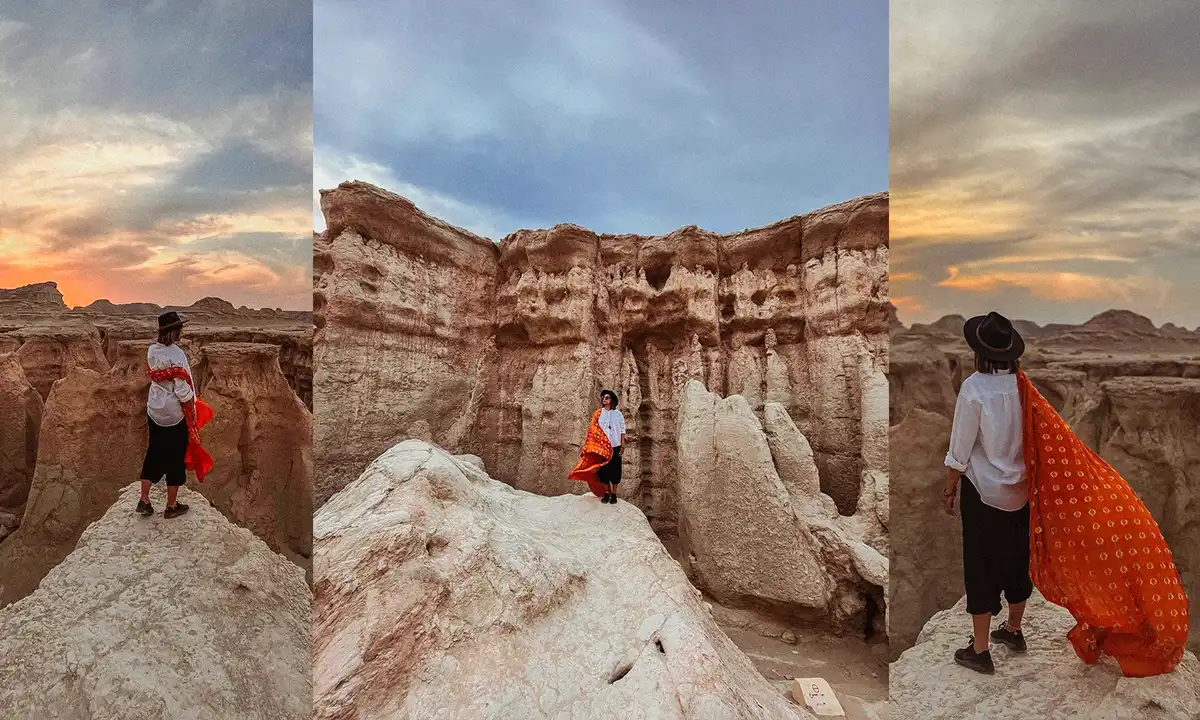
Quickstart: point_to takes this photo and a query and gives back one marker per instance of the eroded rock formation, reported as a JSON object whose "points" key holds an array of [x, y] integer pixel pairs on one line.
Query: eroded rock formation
{"points": [[1129, 390], [190, 617], [93, 438], [441, 593], [1048, 682], [20, 422], [51, 339], [499, 350], [757, 532]]}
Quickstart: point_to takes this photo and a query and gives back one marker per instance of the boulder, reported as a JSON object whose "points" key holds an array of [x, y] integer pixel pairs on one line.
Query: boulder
{"points": [[1049, 682], [441, 593], [149, 618], [751, 540]]}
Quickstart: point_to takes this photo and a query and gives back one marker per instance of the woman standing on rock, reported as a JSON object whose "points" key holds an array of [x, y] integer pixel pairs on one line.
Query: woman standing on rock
{"points": [[986, 447], [600, 457], [1094, 548], [174, 417]]}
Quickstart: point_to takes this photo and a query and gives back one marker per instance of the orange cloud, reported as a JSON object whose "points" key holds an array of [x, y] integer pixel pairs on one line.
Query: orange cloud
{"points": [[1061, 286], [907, 303]]}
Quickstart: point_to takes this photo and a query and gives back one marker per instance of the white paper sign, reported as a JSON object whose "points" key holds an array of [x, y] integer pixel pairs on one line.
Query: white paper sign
{"points": [[818, 696]]}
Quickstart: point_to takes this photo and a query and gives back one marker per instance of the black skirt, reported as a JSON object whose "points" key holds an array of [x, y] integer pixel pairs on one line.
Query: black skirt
{"points": [[611, 471], [165, 455], [995, 552]]}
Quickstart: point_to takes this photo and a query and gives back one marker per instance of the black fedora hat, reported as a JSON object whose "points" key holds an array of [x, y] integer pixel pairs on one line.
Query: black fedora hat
{"points": [[993, 336], [169, 321], [611, 394]]}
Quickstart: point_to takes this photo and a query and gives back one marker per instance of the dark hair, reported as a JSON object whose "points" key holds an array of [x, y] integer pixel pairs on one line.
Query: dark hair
{"points": [[987, 365], [169, 337], [612, 395]]}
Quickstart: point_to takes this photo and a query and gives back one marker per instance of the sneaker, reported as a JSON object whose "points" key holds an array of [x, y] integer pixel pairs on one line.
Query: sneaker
{"points": [[175, 510], [145, 509], [1014, 640], [608, 498], [980, 662]]}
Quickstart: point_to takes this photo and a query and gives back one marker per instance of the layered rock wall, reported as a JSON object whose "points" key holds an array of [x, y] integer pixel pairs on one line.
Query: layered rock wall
{"points": [[403, 309], [501, 350]]}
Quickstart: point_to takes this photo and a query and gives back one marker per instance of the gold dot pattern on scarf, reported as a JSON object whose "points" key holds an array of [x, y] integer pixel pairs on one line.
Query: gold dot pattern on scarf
{"points": [[1097, 551]]}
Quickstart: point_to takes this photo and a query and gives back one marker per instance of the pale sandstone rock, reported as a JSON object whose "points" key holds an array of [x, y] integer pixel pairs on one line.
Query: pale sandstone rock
{"points": [[512, 342], [93, 439], [749, 541], [441, 593], [20, 421], [147, 618], [1049, 682]]}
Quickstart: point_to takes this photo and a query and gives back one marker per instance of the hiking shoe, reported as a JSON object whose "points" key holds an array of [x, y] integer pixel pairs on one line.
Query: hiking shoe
{"points": [[980, 662], [175, 510], [145, 509], [1014, 640]]}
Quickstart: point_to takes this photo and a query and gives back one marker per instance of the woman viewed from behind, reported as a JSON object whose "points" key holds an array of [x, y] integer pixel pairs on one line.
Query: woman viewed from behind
{"points": [[986, 448]]}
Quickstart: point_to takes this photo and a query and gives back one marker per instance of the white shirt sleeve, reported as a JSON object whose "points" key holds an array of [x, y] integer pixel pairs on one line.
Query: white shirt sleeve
{"points": [[620, 423], [963, 433], [182, 390]]}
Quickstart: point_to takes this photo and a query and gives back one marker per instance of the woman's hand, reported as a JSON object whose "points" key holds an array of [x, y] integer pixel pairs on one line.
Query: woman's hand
{"points": [[948, 503], [950, 491]]}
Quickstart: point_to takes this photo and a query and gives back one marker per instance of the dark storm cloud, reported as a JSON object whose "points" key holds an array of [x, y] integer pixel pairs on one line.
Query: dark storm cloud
{"points": [[625, 117], [1073, 125]]}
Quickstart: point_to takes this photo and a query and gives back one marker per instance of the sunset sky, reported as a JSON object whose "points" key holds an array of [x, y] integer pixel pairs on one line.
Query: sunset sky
{"points": [[157, 151], [622, 116], [1045, 159]]}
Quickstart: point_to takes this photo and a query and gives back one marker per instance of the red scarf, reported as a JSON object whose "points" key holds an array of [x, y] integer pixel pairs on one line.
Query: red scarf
{"points": [[197, 416], [597, 451], [1096, 550]]}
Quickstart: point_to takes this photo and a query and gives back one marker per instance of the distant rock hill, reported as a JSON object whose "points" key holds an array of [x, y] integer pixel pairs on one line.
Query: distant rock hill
{"points": [[37, 296], [45, 298], [1101, 331]]}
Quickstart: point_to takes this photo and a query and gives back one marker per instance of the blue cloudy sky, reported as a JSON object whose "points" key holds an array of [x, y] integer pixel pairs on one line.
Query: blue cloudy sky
{"points": [[157, 150], [620, 116], [1045, 159]]}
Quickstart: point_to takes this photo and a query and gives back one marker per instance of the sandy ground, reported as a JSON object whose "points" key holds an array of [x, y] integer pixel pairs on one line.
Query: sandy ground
{"points": [[855, 669]]}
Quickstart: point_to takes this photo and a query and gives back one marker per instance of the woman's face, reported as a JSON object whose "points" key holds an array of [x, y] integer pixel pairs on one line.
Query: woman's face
{"points": [[606, 402]]}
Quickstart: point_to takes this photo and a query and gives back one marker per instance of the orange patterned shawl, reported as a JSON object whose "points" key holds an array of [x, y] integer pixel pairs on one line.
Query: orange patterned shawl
{"points": [[597, 451], [197, 459], [1095, 550]]}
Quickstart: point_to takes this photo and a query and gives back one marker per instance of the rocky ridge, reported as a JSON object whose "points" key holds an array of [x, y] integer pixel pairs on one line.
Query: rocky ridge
{"points": [[190, 617], [1048, 682], [509, 604]]}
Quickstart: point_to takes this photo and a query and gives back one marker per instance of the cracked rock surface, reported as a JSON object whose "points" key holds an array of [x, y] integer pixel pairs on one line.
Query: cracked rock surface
{"points": [[1049, 682], [441, 593], [191, 617]]}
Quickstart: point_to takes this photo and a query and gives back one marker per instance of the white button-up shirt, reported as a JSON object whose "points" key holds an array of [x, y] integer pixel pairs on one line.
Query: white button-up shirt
{"points": [[986, 442], [612, 422], [164, 404]]}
